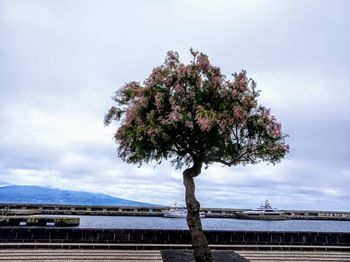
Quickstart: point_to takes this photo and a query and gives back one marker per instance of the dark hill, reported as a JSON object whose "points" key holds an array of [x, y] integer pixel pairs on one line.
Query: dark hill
{"points": [[41, 195]]}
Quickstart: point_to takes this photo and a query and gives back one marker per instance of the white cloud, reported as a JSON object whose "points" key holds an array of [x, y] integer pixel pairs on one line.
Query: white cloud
{"points": [[60, 62]]}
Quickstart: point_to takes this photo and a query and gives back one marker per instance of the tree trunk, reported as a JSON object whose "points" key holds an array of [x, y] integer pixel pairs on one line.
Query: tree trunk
{"points": [[201, 250]]}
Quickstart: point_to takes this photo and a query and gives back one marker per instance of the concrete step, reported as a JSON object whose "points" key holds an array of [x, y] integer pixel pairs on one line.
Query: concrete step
{"points": [[50, 255], [86, 259], [79, 255], [259, 259], [295, 254], [83, 257], [300, 259], [261, 256], [74, 251]]}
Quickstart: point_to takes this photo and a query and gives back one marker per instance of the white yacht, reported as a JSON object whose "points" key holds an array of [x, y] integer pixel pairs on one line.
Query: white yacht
{"points": [[264, 212], [177, 211]]}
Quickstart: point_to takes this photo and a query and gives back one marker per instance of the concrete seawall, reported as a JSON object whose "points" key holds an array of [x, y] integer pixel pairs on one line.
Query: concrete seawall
{"points": [[168, 237], [157, 211]]}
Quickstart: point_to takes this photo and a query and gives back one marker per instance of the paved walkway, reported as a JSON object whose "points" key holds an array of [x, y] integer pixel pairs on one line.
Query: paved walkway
{"points": [[52, 255], [299, 256]]}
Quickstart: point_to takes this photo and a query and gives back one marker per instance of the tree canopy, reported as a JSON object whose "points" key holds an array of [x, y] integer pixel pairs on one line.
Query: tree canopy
{"points": [[186, 112]]}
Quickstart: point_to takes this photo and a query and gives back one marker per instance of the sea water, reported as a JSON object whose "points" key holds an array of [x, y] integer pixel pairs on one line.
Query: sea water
{"points": [[230, 224]]}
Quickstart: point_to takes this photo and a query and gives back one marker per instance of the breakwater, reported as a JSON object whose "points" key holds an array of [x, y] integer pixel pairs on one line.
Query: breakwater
{"points": [[39, 221], [168, 237], [51, 209]]}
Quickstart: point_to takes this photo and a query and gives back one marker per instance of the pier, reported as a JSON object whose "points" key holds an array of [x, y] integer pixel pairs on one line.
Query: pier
{"points": [[39, 221], [50, 209]]}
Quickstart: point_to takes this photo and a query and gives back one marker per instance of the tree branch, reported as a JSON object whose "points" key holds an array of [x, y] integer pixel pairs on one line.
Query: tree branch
{"points": [[219, 160]]}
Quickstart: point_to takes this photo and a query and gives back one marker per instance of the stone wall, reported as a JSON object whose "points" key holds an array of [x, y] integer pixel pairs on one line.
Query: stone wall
{"points": [[79, 235]]}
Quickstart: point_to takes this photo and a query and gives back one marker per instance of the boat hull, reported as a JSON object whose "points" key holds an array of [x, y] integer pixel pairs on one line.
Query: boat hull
{"points": [[178, 215], [176, 211], [261, 217], [174, 216]]}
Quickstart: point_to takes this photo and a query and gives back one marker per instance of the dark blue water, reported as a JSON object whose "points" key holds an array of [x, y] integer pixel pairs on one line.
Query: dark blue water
{"points": [[132, 222]]}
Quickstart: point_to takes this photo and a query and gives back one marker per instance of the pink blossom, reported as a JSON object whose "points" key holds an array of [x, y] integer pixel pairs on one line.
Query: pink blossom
{"points": [[168, 81], [150, 116], [242, 81], [276, 129], [174, 116], [189, 69], [222, 123], [261, 123], [191, 94], [224, 120], [158, 99], [178, 88], [237, 113], [181, 70], [204, 123], [143, 102], [134, 87], [131, 115], [176, 108], [266, 113], [234, 93], [154, 77], [217, 80], [243, 84], [202, 61], [172, 101], [171, 58], [216, 70], [156, 73]]}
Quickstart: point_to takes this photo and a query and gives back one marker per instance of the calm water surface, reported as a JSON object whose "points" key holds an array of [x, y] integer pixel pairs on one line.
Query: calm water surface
{"points": [[132, 222]]}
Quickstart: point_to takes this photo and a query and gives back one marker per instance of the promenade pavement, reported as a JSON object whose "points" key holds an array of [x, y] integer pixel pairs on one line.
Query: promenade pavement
{"points": [[52, 255]]}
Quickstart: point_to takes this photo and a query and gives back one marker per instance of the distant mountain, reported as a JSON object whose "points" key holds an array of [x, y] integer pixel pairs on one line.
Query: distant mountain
{"points": [[41, 195]]}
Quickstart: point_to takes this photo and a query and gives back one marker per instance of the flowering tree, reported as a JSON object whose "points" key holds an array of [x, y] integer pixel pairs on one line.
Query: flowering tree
{"points": [[192, 115]]}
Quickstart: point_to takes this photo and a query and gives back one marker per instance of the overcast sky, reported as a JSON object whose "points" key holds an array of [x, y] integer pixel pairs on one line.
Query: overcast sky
{"points": [[61, 61]]}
